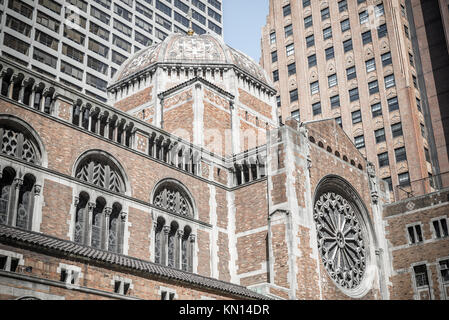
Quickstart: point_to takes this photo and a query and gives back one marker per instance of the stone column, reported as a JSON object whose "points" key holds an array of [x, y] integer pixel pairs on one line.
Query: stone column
{"points": [[250, 172], [21, 91], [18, 182], [98, 124], [105, 234], [81, 117], [42, 101], [164, 245], [178, 249], [190, 251], [121, 232], [123, 135], [32, 96], [76, 201], [106, 128], [89, 126], [2, 74], [36, 209], [88, 224], [11, 87]]}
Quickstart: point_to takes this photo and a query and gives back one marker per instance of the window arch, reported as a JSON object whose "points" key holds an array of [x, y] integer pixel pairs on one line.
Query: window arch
{"points": [[171, 196], [102, 170], [17, 198], [19, 140]]}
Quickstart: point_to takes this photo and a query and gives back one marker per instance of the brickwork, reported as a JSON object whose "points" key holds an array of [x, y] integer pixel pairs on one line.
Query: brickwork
{"points": [[255, 104], [251, 207], [135, 100], [422, 211], [222, 208], [140, 228], [223, 257], [216, 129], [260, 231], [280, 255], [307, 276], [204, 267], [180, 121], [99, 278], [58, 201]]}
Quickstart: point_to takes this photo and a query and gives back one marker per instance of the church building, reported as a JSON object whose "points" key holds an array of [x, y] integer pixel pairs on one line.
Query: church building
{"points": [[185, 186]]}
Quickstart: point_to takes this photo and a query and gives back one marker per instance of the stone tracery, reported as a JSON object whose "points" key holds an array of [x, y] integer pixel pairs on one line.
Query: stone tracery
{"points": [[102, 173], [340, 240], [172, 200]]}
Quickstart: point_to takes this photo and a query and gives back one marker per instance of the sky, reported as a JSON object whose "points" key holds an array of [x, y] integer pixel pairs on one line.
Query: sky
{"points": [[242, 24]]}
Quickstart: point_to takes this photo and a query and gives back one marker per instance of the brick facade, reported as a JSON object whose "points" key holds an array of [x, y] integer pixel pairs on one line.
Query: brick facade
{"points": [[115, 200]]}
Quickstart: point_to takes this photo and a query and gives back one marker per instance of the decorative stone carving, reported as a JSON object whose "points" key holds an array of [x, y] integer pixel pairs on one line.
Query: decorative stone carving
{"points": [[340, 240], [14, 142], [173, 201], [101, 175], [202, 49], [372, 181]]}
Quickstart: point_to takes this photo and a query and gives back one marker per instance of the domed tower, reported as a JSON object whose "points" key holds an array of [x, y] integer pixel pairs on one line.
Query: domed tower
{"points": [[198, 88]]}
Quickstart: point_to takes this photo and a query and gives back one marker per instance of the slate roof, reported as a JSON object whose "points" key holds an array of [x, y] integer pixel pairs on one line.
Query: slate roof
{"points": [[18, 237]]}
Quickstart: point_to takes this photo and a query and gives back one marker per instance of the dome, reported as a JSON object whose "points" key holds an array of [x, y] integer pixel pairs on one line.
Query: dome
{"points": [[203, 49]]}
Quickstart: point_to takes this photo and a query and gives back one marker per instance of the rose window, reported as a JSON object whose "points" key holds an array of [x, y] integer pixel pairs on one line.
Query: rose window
{"points": [[340, 240]]}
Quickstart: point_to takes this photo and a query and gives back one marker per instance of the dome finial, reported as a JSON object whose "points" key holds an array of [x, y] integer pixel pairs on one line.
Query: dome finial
{"points": [[190, 32]]}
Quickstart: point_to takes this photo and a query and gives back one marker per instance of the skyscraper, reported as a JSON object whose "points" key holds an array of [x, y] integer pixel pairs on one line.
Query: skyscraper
{"points": [[83, 43], [353, 60], [429, 26]]}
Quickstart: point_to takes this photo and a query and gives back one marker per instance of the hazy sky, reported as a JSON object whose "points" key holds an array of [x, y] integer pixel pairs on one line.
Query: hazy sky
{"points": [[243, 22]]}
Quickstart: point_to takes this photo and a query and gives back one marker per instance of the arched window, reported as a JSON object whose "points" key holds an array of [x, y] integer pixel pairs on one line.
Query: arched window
{"points": [[158, 241], [17, 198], [106, 228], [173, 245], [101, 170], [115, 232], [172, 261], [97, 222], [173, 198], [187, 250], [82, 210], [16, 141], [25, 203]]}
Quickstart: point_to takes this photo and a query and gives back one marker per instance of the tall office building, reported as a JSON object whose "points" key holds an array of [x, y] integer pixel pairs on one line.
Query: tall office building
{"points": [[353, 60], [429, 22], [83, 43]]}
